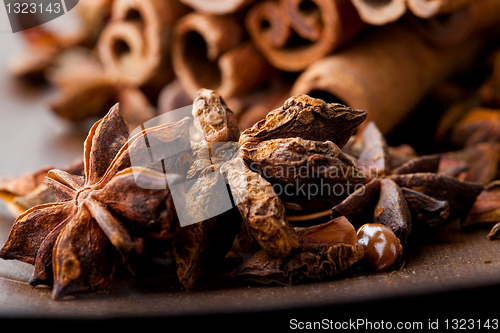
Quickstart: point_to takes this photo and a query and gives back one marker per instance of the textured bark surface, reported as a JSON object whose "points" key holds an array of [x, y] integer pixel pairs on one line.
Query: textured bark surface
{"points": [[307, 118]]}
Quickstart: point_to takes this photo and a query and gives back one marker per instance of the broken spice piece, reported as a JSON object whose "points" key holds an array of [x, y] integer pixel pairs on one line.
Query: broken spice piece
{"points": [[392, 210], [300, 161], [326, 250], [308, 118], [76, 243], [380, 244], [261, 209], [411, 196]]}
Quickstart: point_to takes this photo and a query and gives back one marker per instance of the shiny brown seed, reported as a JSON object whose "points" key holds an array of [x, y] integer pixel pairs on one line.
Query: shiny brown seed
{"points": [[381, 245]]}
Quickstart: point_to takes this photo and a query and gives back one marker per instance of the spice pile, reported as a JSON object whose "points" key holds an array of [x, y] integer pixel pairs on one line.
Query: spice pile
{"points": [[116, 212], [291, 170]]}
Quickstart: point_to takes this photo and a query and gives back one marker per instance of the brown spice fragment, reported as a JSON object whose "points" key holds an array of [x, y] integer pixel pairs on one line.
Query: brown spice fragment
{"points": [[392, 210], [308, 118], [261, 209], [359, 206], [325, 250], [477, 163], [84, 236], [425, 209], [486, 209], [428, 163], [213, 118], [375, 152], [299, 161], [460, 195]]}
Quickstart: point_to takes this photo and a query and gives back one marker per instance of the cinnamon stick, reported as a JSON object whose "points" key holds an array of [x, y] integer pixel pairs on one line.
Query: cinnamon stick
{"points": [[212, 52], [387, 73], [292, 34], [472, 19], [219, 7], [134, 47], [378, 12], [430, 8]]}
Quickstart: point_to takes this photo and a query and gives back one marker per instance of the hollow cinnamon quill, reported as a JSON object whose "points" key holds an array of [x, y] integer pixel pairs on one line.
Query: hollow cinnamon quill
{"points": [[292, 34], [387, 73], [218, 7], [212, 52], [378, 12], [134, 46]]}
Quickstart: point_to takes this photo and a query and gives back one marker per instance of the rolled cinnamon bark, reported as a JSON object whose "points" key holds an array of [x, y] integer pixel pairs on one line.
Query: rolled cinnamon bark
{"points": [[219, 7], [212, 52], [134, 47], [380, 12], [474, 18], [429, 8], [387, 73], [292, 34]]}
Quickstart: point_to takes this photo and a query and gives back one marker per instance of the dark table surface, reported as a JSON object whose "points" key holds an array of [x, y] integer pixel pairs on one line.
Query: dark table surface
{"points": [[450, 274]]}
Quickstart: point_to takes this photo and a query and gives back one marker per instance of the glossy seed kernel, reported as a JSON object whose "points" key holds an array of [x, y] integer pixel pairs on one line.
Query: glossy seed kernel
{"points": [[381, 245]]}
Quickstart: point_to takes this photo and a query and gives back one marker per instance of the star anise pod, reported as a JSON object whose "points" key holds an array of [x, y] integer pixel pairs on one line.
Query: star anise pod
{"points": [[27, 190], [486, 209], [102, 217], [411, 194], [297, 148], [477, 126], [224, 194]]}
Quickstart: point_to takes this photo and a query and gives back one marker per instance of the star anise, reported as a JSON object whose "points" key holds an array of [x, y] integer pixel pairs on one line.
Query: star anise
{"points": [[477, 126], [220, 209], [413, 195], [102, 217], [27, 190], [486, 209]]}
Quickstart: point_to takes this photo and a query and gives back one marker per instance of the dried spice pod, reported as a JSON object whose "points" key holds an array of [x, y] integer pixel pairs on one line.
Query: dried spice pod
{"points": [[326, 250], [217, 7], [20, 193], [94, 214], [84, 89], [293, 34], [387, 73], [375, 151], [213, 118], [19, 186], [308, 118], [392, 210], [478, 125], [298, 161], [460, 195], [211, 52], [44, 47], [477, 163], [358, 207], [203, 245], [261, 209], [426, 211], [427, 163], [486, 207], [213, 220]]}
